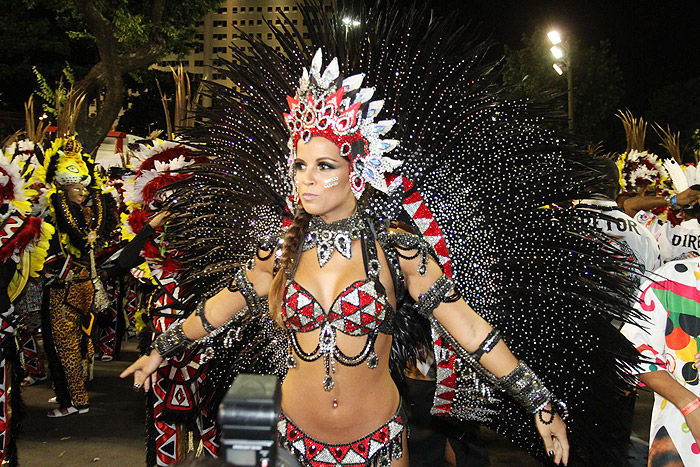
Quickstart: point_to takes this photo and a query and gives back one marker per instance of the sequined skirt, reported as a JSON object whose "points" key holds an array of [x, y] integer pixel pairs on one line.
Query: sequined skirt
{"points": [[373, 450]]}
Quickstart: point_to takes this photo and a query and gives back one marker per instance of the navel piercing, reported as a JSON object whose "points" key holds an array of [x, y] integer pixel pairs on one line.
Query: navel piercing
{"points": [[331, 182]]}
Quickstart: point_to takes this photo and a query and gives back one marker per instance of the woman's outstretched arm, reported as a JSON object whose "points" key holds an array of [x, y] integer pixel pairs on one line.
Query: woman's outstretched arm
{"points": [[475, 335], [209, 315]]}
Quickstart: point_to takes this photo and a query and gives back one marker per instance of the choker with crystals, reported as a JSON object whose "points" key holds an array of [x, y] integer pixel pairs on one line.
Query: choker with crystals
{"points": [[337, 235]]}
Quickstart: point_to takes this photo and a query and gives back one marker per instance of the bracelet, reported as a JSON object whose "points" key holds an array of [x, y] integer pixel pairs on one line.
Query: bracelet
{"points": [[487, 344], [199, 311], [672, 201], [694, 404], [172, 341]]}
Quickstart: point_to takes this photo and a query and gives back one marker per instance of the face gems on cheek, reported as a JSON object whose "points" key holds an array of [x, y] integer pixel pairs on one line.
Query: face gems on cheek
{"points": [[331, 182]]}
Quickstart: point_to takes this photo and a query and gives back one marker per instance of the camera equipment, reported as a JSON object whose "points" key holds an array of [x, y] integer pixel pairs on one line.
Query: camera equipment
{"points": [[248, 419]]}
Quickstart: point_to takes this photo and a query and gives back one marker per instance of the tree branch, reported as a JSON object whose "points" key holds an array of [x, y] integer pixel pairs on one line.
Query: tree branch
{"points": [[100, 28]]}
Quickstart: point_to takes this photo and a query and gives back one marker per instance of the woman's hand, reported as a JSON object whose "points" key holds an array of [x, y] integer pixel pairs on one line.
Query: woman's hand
{"points": [[143, 369], [554, 436]]}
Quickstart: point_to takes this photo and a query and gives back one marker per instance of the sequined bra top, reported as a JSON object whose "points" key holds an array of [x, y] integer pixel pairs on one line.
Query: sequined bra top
{"points": [[361, 309]]}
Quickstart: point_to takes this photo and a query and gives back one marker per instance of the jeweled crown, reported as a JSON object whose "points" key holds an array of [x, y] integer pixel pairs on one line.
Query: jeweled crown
{"points": [[341, 111]]}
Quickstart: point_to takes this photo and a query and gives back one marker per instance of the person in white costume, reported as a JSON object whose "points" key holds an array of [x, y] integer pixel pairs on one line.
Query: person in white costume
{"points": [[630, 235], [668, 342], [675, 240]]}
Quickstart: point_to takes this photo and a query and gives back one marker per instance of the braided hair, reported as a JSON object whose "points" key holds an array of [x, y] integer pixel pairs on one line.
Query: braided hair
{"points": [[292, 242]]}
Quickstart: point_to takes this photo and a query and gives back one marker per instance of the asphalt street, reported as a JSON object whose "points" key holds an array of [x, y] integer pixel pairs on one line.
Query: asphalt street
{"points": [[111, 434]]}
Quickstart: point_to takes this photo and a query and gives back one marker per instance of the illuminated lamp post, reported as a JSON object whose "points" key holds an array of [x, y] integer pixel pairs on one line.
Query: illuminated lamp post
{"points": [[562, 53]]}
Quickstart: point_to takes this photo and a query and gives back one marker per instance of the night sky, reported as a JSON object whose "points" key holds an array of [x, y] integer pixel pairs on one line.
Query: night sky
{"points": [[656, 43]]}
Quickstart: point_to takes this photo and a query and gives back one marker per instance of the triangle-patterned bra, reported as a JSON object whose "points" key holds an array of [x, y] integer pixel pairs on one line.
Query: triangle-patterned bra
{"points": [[363, 308]]}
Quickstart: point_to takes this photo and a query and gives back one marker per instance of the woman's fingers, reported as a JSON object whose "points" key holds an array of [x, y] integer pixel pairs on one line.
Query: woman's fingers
{"points": [[549, 446], [130, 369]]}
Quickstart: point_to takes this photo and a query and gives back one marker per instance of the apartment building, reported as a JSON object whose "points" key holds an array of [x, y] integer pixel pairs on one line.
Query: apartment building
{"points": [[218, 31]]}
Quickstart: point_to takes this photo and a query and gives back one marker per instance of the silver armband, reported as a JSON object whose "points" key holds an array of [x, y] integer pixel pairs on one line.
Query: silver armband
{"points": [[172, 341], [243, 285], [199, 311], [438, 293]]}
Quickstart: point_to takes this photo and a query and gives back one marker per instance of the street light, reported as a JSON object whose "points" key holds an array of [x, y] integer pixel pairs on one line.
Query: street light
{"points": [[562, 53]]}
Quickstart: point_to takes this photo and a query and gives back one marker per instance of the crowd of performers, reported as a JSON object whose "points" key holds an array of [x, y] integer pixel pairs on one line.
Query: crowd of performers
{"points": [[447, 201]]}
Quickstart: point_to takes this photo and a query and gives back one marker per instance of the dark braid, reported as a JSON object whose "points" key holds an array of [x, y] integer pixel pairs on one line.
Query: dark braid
{"points": [[292, 242]]}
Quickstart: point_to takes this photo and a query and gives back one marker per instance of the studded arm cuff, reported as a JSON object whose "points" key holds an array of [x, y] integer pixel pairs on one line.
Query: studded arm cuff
{"points": [[172, 341], [523, 385], [438, 293], [242, 284]]}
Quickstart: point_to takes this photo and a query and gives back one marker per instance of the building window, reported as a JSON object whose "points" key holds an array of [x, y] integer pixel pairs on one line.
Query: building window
{"points": [[277, 21], [234, 22], [259, 23], [219, 37], [197, 75], [294, 8], [234, 9], [218, 62], [259, 9], [242, 22], [218, 50], [269, 9], [199, 63], [294, 21], [219, 24], [277, 48], [242, 9], [199, 48], [222, 10], [199, 37], [286, 9], [219, 76], [269, 36], [305, 35], [199, 23], [234, 35], [278, 9]]}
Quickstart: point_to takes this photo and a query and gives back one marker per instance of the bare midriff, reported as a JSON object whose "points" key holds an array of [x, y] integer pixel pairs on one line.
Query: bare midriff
{"points": [[362, 398]]}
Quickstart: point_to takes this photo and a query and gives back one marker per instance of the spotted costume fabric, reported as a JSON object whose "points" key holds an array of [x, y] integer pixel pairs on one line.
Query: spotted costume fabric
{"points": [[669, 342], [67, 308]]}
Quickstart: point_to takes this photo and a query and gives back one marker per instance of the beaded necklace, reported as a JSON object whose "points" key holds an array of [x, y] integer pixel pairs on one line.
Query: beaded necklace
{"points": [[88, 234]]}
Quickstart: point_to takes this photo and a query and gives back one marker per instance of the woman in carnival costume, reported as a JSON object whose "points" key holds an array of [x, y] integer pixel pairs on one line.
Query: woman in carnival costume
{"points": [[84, 217], [173, 406], [24, 241], [468, 170]]}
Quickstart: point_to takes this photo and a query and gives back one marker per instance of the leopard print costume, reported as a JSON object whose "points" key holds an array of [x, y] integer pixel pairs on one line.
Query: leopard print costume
{"points": [[68, 305]]}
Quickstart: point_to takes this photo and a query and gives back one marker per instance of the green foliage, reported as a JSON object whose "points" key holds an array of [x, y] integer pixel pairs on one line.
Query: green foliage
{"points": [[597, 80]]}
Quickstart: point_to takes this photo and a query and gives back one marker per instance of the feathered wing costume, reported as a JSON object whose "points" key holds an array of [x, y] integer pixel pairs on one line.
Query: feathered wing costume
{"points": [[24, 241], [173, 406], [477, 168]]}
